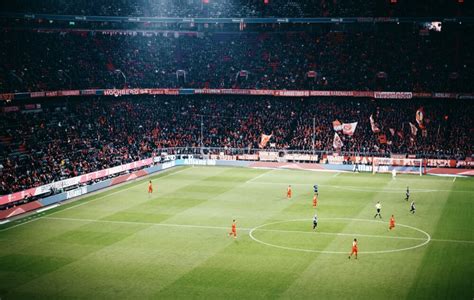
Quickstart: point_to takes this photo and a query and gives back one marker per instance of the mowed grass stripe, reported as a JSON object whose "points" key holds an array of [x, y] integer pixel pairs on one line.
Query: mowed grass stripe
{"points": [[167, 196], [226, 275], [442, 276], [185, 262], [226, 228], [85, 235], [351, 206], [220, 209], [358, 277], [29, 239], [229, 274]]}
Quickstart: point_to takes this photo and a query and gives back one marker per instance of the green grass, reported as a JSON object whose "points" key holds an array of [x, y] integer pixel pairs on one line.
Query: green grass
{"points": [[122, 243]]}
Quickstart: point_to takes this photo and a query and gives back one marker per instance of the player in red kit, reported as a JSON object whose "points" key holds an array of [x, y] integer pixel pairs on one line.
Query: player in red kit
{"points": [[150, 188], [288, 192], [392, 223], [234, 230], [354, 249], [315, 201]]}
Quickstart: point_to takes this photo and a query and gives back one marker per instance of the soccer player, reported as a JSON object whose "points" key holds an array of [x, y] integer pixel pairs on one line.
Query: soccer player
{"points": [[234, 229], [315, 221], [378, 207], [315, 188], [150, 188], [394, 174], [407, 194], [412, 207], [354, 249], [315, 200], [356, 168], [288, 192], [392, 223]]}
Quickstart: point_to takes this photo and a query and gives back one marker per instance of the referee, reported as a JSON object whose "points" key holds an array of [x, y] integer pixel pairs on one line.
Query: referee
{"points": [[378, 208], [315, 221]]}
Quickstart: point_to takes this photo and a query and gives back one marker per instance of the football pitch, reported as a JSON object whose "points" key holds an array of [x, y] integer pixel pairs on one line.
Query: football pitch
{"points": [[123, 243]]}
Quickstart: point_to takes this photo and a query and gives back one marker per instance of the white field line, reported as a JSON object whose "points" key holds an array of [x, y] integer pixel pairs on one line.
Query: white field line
{"points": [[140, 223], [345, 234], [454, 179], [453, 241], [248, 229], [86, 202], [337, 174], [361, 189], [47, 208], [301, 169], [23, 223], [261, 175]]}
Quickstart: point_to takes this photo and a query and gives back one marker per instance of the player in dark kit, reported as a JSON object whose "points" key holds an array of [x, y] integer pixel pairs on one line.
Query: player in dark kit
{"points": [[412, 207], [407, 194], [315, 188], [378, 208], [315, 221]]}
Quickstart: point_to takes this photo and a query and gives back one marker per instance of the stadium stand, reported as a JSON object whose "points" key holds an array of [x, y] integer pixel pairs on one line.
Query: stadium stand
{"points": [[244, 8], [58, 140], [396, 60], [66, 139]]}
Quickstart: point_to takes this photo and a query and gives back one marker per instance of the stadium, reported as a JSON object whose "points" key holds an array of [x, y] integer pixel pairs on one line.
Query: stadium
{"points": [[236, 149]]}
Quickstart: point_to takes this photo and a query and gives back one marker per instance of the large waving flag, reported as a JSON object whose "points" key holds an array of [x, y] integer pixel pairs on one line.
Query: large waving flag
{"points": [[337, 143], [349, 128], [413, 128], [264, 140], [420, 114], [373, 125]]}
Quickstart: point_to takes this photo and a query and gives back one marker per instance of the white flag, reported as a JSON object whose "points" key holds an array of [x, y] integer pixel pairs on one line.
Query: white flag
{"points": [[413, 128], [373, 125], [349, 128], [264, 140], [337, 143]]}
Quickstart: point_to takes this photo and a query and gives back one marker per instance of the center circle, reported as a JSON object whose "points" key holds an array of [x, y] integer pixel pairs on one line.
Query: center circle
{"points": [[423, 243]]}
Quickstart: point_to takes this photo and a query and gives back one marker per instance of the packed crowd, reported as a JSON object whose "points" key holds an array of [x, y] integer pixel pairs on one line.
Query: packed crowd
{"points": [[243, 8], [66, 139], [393, 60], [195, 8]]}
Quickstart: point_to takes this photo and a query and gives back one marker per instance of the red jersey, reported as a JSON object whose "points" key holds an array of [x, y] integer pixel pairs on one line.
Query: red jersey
{"points": [[354, 248]]}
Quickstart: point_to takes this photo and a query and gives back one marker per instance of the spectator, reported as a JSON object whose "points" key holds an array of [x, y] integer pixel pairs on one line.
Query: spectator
{"points": [[101, 133]]}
